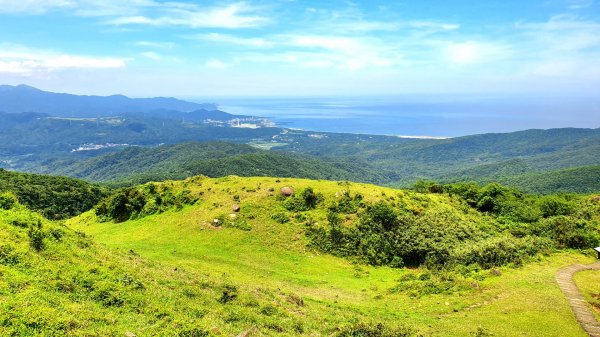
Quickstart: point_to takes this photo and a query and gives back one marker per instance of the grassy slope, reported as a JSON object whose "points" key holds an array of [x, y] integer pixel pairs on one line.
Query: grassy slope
{"points": [[274, 257], [588, 283]]}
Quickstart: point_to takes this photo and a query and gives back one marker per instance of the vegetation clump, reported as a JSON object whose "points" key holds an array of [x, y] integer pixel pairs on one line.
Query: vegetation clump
{"points": [[54, 197], [364, 329], [135, 202], [519, 226]]}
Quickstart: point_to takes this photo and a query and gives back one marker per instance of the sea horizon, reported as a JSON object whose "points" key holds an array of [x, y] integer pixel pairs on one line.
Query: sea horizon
{"points": [[418, 116]]}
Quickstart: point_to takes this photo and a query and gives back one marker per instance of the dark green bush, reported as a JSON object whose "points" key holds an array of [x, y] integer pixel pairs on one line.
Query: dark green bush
{"points": [[280, 217], [9, 255], [375, 330], [554, 205], [228, 294], [36, 238], [304, 201], [570, 232], [135, 202]]}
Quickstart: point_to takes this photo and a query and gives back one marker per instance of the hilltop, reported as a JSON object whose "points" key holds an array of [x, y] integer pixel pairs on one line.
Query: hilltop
{"points": [[327, 245]]}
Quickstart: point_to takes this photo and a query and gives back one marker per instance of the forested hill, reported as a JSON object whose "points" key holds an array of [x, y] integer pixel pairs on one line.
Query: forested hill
{"points": [[54, 197], [213, 159], [23, 98]]}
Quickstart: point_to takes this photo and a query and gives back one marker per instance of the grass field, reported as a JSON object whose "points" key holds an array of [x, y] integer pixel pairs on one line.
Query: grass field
{"points": [[588, 283], [273, 258]]}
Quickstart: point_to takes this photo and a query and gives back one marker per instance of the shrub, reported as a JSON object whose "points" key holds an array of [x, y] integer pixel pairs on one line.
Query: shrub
{"points": [[7, 200], [134, 202], [495, 251], [375, 330], [304, 201], [554, 205], [347, 203], [280, 217], [569, 232], [36, 238], [108, 294], [9, 255], [229, 294]]}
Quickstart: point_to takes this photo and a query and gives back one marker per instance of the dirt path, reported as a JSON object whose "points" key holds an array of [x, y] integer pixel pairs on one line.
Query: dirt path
{"points": [[581, 309]]}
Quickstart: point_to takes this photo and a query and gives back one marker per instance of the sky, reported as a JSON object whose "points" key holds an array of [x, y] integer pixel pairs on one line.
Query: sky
{"points": [[302, 48]]}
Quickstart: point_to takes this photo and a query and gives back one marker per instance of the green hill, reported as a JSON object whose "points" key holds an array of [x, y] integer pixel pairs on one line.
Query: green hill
{"points": [[516, 173], [328, 260], [54, 197], [55, 281], [213, 159]]}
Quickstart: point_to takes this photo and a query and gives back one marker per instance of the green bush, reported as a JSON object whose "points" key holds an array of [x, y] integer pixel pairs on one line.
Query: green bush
{"points": [[228, 294], [36, 238], [9, 255], [554, 205], [570, 232], [495, 251], [280, 217], [7, 200], [375, 330], [304, 201], [135, 202]]}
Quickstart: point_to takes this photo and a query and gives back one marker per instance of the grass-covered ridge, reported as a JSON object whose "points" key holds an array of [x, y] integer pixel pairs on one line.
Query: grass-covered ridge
{"points": [[269, 245], [55, 281]]}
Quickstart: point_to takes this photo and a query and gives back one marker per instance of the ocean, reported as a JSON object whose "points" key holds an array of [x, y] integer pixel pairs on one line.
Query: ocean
{"points": [[421, 115]]}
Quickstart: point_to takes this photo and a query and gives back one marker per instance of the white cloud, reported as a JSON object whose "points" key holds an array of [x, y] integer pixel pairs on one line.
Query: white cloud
{"points": [[232, 16], [19, 60], [154, 44], [470, 52], [146, 12], [321, 52], [566, 33], [33, 7], [151, 55], [580, 4], [231, 39]]}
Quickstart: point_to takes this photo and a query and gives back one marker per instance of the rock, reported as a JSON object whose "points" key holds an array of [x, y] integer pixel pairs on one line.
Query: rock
{"points": [[216, 223], [496, 272], [130, 334], [287, 191], [475, 285], [236, 208]]}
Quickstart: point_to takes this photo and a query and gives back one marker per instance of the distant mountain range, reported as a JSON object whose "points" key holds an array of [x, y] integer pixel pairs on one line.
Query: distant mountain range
{"points": [[23, 98]]}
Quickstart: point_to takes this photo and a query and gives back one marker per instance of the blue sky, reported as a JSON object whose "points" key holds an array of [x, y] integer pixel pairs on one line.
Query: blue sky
{"points": [[267, 48]]}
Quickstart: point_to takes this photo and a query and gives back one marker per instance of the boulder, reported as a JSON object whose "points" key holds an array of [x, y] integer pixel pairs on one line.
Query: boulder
{"points": [[287, 191]]}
